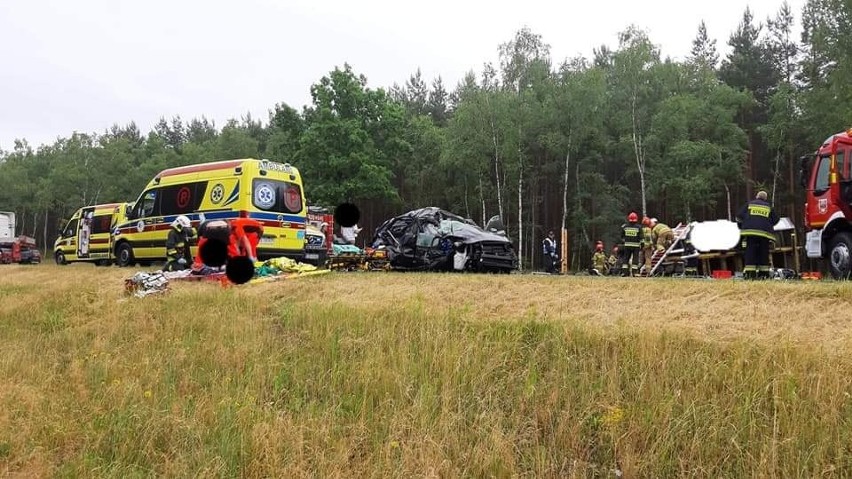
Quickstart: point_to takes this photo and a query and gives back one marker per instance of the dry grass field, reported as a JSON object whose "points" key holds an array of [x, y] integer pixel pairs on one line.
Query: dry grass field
{"points": [[423, 375]]}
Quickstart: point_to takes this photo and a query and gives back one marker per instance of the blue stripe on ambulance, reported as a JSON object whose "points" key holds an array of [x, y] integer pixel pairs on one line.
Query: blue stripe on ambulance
{"points": [[226, 215]]}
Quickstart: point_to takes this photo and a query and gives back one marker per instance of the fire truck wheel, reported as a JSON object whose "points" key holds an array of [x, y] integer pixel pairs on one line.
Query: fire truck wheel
{"points": [[60, 258], [840, 255], [124, 255]]}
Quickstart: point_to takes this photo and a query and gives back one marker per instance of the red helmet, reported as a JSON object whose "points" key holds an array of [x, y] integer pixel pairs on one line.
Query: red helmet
{"points": [[632, 217]]}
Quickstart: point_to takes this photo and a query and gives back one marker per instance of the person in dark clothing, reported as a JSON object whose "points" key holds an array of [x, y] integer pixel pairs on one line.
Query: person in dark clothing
{"points": [[177, 244], [690, 256], [549, 250], [631, 237], [756, 221]]}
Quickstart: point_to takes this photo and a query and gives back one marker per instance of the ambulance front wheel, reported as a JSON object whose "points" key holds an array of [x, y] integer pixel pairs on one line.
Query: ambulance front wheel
{"points": [[60, 258], [124, 255]]}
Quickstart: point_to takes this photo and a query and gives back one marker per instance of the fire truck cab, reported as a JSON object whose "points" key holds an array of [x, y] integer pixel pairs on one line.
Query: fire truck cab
{"points": [[827, 181]]}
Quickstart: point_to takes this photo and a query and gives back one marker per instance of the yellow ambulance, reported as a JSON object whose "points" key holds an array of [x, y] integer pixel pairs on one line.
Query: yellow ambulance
{"points": [[87, 236], [264, 190]]}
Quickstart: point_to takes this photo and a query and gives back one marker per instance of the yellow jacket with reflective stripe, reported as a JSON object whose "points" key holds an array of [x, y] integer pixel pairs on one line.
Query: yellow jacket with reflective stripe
{"points": [[647, 236]]}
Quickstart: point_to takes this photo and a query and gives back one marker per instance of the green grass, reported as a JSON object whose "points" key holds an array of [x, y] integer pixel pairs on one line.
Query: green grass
{"points": [[294, 379]]}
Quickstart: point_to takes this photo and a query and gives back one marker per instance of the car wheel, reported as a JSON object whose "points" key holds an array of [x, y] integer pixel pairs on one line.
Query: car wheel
{"points": [[59, 257], [124, 255]]}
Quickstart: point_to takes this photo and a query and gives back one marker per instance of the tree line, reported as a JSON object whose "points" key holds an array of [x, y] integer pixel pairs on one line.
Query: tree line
{"points": [[575, 144]]}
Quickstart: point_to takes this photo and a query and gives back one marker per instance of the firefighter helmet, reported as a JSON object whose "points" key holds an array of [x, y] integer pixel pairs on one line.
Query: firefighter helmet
{"points": [[632, 217], [182, 222]]}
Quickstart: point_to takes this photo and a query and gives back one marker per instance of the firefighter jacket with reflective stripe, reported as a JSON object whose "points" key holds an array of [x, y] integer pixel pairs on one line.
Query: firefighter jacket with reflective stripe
{"points": [[599, 261], [631, 235], [647, 236], [757, 218], [176, 244]]}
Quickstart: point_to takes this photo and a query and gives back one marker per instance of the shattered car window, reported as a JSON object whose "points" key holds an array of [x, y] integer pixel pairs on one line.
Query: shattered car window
{"points": [[426, 238], [449, 227]]}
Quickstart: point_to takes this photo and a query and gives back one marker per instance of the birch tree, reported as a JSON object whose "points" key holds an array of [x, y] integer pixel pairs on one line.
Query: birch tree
{"points": [[634, 96]]}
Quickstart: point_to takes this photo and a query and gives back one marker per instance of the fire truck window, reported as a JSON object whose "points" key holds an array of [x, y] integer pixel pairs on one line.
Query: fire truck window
{"points": [[841, 165], [821, 183]]}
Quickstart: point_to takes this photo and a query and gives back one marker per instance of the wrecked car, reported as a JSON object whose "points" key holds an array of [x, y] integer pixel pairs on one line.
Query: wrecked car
{"points": [[432, 239]]}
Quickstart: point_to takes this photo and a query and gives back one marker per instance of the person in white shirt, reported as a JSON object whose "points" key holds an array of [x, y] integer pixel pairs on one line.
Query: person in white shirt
{"points": [[349, 233]]}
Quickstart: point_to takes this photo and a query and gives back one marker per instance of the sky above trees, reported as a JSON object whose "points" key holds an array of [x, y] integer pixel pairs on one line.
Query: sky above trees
{"points": [[82, 66]]}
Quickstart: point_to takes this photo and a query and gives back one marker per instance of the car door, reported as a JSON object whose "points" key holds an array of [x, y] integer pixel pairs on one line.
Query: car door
{"points": [[68, 242], [84, 233]]}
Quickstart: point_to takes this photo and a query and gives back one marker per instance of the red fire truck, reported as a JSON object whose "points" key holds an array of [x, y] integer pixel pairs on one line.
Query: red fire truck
{"points": [[317, 216], [21, 250], [15, 249], [827, 181]]}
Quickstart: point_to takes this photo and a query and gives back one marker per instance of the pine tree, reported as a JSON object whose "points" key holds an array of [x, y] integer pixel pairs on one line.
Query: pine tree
{"points": [[703, 52]]}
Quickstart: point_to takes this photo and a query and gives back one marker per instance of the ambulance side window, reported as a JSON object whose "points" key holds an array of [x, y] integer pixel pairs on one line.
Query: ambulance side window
{"points": [[101, 224], [181, 199]]}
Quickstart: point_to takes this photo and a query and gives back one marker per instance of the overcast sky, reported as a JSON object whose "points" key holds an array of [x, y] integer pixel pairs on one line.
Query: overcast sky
{"points": [[84, 65]]}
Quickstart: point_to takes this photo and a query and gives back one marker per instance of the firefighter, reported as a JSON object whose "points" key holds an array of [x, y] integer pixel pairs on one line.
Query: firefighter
{"points": [[599, 261], [663, 236], [631, 237], [647, 244], [548, 246], [612, 261], [177, 244], [756, 221]]}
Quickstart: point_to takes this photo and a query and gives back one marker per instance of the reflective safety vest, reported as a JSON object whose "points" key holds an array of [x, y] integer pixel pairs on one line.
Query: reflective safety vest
{"points": [[549, 246]]}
